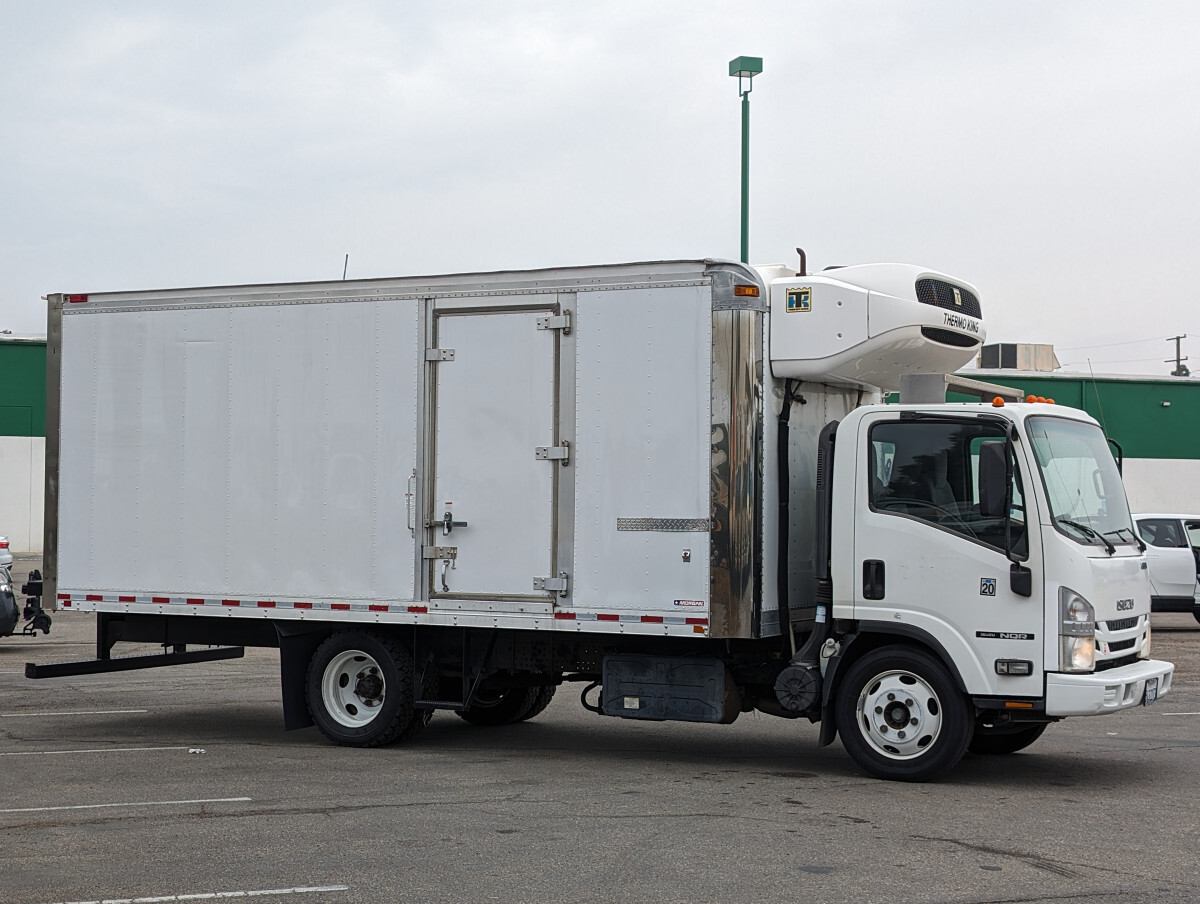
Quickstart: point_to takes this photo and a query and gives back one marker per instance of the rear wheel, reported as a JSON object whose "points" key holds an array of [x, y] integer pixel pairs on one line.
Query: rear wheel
{"points": [[1008, 739], [500, 707], [360, 690], [900, 715], [540, 701], [1196, 614]]}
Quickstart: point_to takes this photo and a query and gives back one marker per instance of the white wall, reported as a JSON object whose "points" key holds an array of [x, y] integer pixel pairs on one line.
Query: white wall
{"points": [[22, 470], [1163, 484]]}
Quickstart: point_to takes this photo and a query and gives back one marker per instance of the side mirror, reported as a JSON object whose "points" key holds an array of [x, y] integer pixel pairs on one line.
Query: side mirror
{"points": [[993, 479]]}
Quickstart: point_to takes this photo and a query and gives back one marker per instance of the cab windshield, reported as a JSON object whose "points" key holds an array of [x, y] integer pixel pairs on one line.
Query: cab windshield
{"points": [[1087, 499]]}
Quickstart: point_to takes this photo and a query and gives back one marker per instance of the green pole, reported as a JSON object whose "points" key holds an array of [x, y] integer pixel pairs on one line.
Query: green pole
{"points": [[746, 178], [745, 68]]}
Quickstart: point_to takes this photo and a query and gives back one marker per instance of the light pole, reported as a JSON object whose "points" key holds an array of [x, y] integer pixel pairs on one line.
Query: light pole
{"points": [[744, 69]]}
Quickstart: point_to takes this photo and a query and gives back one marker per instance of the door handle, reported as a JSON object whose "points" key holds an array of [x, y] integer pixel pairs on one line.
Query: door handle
{"points": [[873, 583], [448, 523]]}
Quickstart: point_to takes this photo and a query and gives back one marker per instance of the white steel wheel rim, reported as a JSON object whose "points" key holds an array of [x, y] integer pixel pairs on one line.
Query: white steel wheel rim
{"points": [[353, 688], [899, 714]]}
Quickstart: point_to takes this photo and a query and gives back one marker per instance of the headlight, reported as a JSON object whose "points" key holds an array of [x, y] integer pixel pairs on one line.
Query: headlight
{"points": [[1077, 632]]}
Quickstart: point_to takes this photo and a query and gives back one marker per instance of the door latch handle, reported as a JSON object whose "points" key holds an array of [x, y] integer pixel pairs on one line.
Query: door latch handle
{"points": [[873, 585], [448, 523]]}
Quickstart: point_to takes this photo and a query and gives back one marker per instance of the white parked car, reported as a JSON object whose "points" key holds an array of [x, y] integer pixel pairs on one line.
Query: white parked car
{"points": [[5, 553], [1173, 551]]}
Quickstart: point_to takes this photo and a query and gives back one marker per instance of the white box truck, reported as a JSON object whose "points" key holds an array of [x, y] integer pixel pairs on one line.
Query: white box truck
{"points": [[671, 482]]}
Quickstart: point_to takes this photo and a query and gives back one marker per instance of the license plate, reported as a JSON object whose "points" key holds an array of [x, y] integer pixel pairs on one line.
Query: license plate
{"points": [[1151, 691]]}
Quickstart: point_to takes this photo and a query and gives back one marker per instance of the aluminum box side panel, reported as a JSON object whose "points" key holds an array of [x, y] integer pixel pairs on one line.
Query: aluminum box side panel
{"points": [[245, 452], [642, 457]]}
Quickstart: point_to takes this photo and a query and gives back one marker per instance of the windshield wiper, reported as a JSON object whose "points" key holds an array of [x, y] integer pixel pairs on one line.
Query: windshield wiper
{"points": [[1087, 532], [1136, 539]]}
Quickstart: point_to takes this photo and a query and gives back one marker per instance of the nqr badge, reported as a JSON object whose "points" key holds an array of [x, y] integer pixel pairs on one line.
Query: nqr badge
{"points": [[799, 300]]}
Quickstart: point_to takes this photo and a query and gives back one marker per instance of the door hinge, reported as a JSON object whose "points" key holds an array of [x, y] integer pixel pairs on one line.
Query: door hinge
{"points": [[560, 585], [439, 552], [561, 452], [561, 322], [439, 354]]}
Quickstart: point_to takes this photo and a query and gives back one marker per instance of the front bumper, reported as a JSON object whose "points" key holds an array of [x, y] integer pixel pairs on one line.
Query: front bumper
{"points": [[1104, 692]]}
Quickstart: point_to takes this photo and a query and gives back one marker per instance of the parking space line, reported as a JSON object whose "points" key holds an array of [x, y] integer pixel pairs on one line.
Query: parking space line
{"points": [[86, 712], [1179, 714], [93, 750], [216, 895], [142, 803]]}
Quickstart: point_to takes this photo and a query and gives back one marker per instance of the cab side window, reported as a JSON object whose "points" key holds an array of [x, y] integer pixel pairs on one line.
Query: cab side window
{"points": [[929, 470]]}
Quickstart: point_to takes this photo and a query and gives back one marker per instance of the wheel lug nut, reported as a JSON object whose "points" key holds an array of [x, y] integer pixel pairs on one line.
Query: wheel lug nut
{"points": [[891, 696], [900, 734], [908, 703], [879, 710], [913, 722]]}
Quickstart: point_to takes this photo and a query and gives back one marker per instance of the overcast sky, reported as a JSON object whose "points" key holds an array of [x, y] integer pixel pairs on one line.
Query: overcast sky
{"points": [[1045, 151]]}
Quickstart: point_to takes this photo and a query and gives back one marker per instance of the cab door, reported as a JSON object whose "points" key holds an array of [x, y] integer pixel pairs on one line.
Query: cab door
{"points": [[928, 564]]}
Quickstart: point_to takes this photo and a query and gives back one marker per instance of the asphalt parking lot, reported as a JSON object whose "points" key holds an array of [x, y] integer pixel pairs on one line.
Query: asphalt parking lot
{"points": [[180, 784]]}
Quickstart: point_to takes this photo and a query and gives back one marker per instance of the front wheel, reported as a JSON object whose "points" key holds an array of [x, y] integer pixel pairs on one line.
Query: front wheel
{"points": [[360, 690], [900, 715], [999, 741]]}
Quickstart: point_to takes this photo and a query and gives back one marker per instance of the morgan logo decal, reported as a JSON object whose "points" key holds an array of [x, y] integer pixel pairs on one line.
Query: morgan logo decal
{"points": [[987, 586], [693, 604]]}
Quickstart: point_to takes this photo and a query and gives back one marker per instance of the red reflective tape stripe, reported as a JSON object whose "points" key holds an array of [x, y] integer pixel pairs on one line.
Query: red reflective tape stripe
{"points": [[160, 599], [567, 615], [657, 619], [126, 599], [343, 607], [64, 596], [605, 616], [302, 605], [418, 608], [193, 602], [231, 602], [94, 598], [696, 621], [266, 604], [379, 608]]}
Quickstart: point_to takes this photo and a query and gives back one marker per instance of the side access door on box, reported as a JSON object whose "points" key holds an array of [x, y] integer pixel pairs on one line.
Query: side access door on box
{"points": [[496, 454]]}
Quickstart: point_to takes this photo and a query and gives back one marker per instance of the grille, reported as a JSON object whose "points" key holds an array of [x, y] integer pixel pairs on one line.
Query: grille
{"points": [[945, 337], [1104, 665], [1123, 624], [1118, 645], [940, 294]]}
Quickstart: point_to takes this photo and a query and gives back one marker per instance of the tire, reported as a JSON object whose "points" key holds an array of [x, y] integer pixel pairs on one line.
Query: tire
{"points": [[1196, 614], [501, 707], [540, 701], [901, 716], [360, 690], [1006, 740]]}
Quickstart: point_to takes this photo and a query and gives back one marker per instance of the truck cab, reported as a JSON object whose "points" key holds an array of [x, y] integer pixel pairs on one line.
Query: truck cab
{"points": [[998, 537]]}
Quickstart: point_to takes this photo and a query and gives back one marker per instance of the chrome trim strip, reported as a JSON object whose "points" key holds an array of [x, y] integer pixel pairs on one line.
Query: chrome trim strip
{"points": [[737, 450]]}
